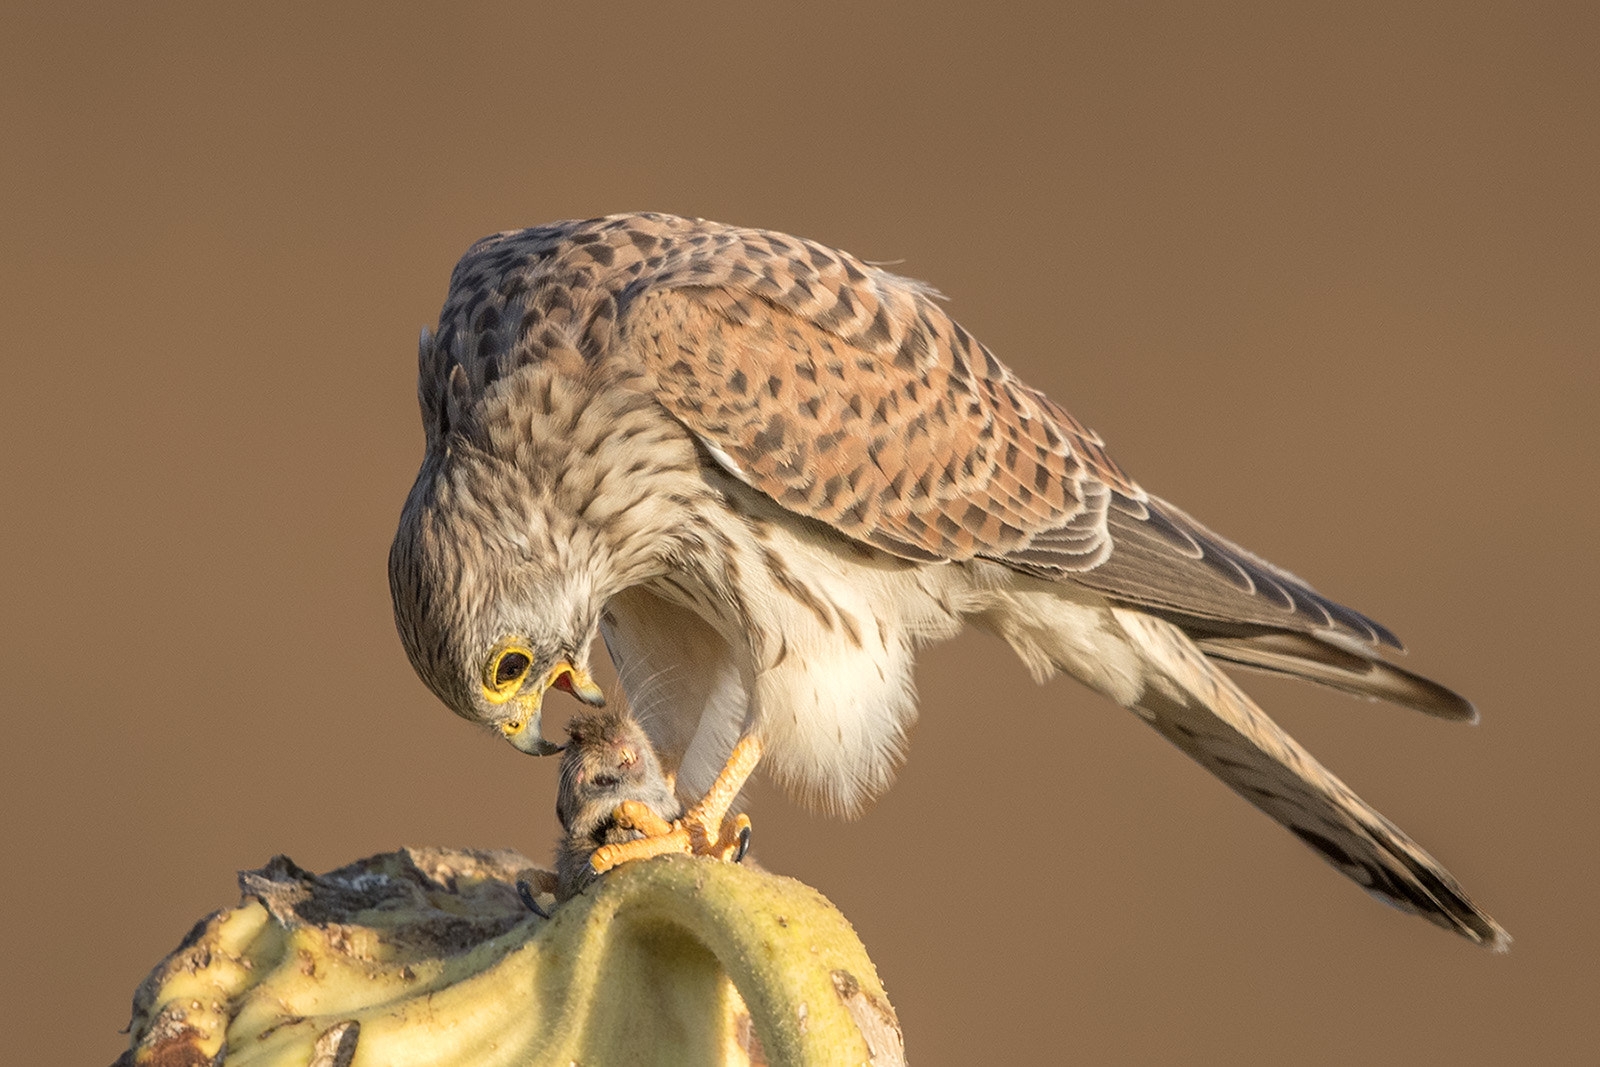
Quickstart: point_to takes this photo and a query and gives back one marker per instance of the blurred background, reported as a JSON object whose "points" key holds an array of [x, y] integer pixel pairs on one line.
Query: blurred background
{"points": [[1328, 276]]}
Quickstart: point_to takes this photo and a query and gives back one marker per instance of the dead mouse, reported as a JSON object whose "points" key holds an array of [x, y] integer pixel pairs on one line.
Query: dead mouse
{"points": [[607, 761]]}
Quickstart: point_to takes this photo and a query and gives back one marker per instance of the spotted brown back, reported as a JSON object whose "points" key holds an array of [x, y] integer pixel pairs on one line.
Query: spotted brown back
{"points": [[848, 395]]}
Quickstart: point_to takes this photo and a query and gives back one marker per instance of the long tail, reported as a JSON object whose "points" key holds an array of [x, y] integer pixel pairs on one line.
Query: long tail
{"points": [[1199, 709]]}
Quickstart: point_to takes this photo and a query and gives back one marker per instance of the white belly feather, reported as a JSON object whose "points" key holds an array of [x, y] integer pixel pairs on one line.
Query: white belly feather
{"points": [[809, 640]]}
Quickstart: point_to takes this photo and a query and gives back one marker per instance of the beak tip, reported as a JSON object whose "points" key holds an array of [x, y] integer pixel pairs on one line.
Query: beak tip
{"points": [[536, 746], [529, 739]]}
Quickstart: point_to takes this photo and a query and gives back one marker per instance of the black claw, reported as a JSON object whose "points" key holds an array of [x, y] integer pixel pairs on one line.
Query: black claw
{"points": [[744, 844], [525, 891]]}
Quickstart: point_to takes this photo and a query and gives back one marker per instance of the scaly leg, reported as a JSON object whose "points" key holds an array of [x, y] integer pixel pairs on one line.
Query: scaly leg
{"points": [[704, 830]]}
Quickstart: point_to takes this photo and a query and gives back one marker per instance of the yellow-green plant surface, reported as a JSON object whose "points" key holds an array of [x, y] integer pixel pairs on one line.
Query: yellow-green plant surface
{"points": [[428, 957]]}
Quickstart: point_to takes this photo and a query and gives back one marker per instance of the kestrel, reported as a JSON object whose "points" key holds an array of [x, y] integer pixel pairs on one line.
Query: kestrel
{"points": [[766, 473]]}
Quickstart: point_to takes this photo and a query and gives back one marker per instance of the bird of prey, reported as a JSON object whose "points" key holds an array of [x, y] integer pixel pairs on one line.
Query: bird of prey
{"points": [[766, 473]]}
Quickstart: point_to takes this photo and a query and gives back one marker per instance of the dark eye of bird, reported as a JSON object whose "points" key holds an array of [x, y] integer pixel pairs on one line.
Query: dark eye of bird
{"points": [[512, 665]]}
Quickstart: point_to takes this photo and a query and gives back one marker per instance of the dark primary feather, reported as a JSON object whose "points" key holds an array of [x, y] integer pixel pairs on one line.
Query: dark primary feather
{"points": [[1163, 559], [1354, 670]]}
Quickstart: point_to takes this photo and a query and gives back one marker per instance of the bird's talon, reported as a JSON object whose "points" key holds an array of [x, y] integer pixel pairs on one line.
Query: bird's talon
{"points": [[525, 891], [705, 829]]}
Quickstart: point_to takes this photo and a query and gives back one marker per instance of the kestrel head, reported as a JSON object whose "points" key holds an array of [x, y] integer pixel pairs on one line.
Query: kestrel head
{"points": [[491, 615]]}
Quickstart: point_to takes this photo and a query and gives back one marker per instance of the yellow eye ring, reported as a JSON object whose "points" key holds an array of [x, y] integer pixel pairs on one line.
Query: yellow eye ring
{"points": [[505, 673]]}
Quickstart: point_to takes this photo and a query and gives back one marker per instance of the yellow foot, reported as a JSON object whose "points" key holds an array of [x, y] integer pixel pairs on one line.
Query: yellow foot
{"points": [[704, 830]]}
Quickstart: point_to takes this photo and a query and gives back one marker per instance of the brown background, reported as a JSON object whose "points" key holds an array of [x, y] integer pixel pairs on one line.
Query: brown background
{"points": [[1328, 280]]}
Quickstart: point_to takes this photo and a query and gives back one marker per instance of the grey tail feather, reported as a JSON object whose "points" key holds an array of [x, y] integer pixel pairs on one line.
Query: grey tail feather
{"points": [[1359, 672], [1203, 713]]}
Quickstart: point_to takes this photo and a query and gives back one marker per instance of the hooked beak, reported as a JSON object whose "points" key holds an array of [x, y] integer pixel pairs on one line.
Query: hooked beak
{"points": [[524, 731]]}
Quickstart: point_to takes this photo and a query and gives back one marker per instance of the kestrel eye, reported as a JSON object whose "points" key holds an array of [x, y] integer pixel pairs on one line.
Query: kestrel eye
{"points": [[510, 668]]}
